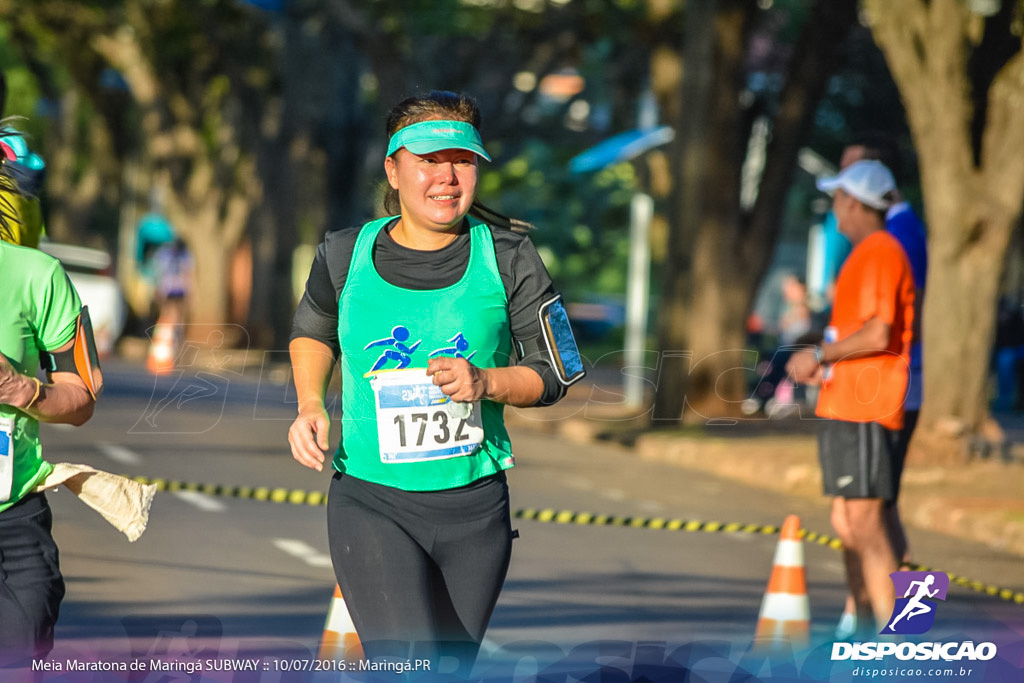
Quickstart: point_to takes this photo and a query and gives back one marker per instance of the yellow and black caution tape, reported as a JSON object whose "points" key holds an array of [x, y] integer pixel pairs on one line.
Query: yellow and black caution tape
{"points": [[317, 498], [588, 519], [273, 495], [976, 586]]}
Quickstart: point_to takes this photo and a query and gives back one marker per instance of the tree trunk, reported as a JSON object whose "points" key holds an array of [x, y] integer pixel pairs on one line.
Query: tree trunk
{"points": [[209, 302], [689, 156], [721, 285], [973, 188]]}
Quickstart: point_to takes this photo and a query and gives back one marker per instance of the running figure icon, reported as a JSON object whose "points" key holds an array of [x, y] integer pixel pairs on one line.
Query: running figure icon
{"points": [[915, 606], [461, 344], [399, 352]]}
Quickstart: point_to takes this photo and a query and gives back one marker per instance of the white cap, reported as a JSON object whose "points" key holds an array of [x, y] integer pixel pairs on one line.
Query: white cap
{"points": [[867, 181]]}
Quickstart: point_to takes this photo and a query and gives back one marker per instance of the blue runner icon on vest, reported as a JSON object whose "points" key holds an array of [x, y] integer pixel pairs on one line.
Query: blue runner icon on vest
{"points": [[461, 344], [399, 351]]}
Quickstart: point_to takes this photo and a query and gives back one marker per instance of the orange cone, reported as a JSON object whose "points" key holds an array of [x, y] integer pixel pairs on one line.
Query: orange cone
{"points": [[785, 611], [160, 360], [340, 641]]}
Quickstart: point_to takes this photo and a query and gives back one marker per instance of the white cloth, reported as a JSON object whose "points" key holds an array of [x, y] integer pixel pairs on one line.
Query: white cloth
{"points": [[122, 502]]}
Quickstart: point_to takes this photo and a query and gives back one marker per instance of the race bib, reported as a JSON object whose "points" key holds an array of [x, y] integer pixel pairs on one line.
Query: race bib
{"points": [[417, 422], [6, 457]]}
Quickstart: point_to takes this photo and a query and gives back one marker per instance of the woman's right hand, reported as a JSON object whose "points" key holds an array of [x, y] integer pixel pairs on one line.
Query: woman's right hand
{"points": [[308, 437]]}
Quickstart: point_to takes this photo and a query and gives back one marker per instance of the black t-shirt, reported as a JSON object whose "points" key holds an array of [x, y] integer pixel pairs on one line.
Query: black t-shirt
{"points": [[526, 281]]}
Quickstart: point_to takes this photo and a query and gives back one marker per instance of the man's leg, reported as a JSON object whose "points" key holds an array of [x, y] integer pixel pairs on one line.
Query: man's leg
{"points": [[869, 541], [897, 536], [857, 605]]}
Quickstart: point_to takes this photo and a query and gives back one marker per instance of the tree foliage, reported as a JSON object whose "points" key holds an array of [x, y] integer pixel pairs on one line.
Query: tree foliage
{"points": [[718, 250], [197, 78]]}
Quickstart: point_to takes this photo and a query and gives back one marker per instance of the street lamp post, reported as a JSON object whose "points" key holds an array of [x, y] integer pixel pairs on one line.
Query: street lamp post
{"points": [[617, 149]]}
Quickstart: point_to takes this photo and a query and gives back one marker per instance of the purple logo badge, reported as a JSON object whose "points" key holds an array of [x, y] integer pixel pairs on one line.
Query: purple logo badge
{"points": [[914, 612]]}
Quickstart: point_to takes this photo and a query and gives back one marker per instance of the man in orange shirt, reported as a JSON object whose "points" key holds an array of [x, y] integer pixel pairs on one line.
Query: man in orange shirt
{"points": [[862, 367]]}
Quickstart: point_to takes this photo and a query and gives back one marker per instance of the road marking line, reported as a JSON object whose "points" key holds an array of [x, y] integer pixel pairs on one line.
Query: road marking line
{"points": [[581, 483], [303, 551], [651, 506], [119, 454], [741, 538], [201, 500]]}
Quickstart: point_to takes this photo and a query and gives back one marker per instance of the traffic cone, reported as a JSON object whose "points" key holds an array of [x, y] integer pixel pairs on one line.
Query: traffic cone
{"points": [[160, 359], [340, 641], [785, 611]]}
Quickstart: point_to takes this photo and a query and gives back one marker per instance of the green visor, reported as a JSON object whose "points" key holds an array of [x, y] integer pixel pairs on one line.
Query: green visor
{"points": [[432, 136]]}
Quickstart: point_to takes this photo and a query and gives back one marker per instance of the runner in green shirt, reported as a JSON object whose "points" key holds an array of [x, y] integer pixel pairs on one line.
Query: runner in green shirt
{"points": [[40, 314]]}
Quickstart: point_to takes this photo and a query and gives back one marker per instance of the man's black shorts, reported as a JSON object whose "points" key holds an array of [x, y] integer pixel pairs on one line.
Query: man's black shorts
{"points": [[859, 460]]}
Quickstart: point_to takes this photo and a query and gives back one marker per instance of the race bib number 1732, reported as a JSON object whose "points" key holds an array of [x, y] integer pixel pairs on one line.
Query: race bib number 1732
{"points": [[417, 422]]}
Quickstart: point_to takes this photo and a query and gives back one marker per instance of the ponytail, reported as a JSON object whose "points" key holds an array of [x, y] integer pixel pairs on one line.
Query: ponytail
{"points": [[500, 220]]}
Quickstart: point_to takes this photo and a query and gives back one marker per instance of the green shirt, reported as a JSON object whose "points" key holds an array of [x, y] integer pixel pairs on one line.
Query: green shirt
{"points": [[397, 428], [39, 309]]}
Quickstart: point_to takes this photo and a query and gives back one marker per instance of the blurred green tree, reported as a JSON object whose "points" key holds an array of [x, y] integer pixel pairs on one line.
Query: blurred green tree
{"points": [[551, 79], [198, 77], [719, 245], [82, 173], [959, 66]]}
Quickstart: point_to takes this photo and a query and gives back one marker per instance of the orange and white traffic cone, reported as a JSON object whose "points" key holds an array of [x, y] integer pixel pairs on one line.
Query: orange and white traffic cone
{"points": [[160, 359], [785, 611], [340, 641]]}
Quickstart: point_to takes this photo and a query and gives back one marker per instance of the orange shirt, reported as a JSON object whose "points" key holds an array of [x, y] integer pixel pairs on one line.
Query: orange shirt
{"points": [[875, 282]]}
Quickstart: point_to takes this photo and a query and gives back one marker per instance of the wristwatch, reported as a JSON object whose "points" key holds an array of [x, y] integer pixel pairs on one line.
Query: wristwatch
{"points": [[819, 354]]}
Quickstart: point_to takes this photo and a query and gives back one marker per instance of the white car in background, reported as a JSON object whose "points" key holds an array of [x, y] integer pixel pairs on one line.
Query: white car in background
{"points": [[91, 271]]}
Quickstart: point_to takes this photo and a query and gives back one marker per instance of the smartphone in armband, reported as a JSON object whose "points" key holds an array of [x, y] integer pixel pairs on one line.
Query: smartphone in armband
{"points": [[560, 342]]}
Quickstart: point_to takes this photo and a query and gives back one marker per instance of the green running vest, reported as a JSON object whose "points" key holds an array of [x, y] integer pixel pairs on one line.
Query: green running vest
{"points": [[397, 428]]}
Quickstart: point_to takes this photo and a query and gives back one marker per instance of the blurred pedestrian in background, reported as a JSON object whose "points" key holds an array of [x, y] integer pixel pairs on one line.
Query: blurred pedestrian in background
{"points": [[174, 273], [174, 281], [425, 308], [1008, 354], [862, 366], [795, 320], [773, 392]]}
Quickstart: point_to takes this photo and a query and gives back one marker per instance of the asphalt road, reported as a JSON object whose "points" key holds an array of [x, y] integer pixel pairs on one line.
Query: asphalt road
{"points": [[216, 578]]}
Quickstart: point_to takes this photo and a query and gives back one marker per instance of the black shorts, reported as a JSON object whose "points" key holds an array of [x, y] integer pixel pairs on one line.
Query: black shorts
{"points": [[859, 460], [31, 586]]}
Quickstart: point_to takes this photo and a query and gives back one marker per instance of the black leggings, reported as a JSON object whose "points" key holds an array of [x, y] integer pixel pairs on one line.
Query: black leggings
{"points": [[420, 571]]}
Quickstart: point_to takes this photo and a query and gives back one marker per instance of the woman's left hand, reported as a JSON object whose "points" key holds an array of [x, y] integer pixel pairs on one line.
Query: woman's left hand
{"points": [[458, 378]]}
